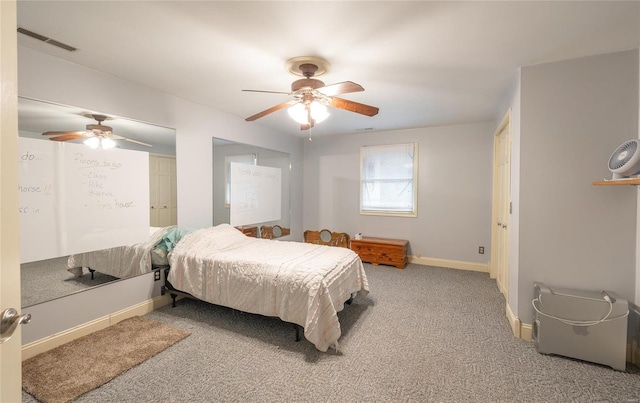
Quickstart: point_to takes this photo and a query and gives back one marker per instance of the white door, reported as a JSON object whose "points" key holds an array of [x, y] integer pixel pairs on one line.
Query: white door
{"points": [[499, 268], [162, 191], [10, 351], [153, 192]]}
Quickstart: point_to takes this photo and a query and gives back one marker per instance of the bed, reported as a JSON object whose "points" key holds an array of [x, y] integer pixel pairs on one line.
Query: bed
{"points": [[124, 261], [301, 283]]}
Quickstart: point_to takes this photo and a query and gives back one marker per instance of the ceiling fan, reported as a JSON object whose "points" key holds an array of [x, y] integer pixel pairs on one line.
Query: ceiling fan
{"points": [[95, 135], [311, 96]]}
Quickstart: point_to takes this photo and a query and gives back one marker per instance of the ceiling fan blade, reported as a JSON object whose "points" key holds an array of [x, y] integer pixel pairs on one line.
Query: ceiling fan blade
{"points": [[340, 88], [268, 92], [137, 142], [354, 106], [270, 110], [69, 136], [116, 137], [59, 133]]}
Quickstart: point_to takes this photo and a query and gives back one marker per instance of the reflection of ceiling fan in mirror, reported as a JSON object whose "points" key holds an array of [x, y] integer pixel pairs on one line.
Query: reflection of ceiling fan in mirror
{"points": [[95, 136], [311, 97]]}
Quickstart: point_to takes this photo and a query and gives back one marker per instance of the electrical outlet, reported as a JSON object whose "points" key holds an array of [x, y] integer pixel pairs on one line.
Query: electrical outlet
{"points": [[481, 250], [156, 275]]}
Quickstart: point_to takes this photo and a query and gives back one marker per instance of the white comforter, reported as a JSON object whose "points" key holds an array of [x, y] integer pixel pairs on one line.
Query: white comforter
{"points": [[121, 261], [301, 283]]}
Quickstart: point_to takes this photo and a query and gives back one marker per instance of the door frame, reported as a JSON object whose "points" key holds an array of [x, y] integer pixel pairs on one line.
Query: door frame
{"points": [[11, 351]]}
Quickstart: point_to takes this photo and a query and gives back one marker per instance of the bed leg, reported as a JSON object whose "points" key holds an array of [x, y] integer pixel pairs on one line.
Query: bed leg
{"points": [[297, 332], [173, 300], [91, 271]]}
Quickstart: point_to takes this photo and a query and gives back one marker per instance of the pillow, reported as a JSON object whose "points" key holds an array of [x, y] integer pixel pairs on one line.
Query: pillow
{"points": [[159, 257], [171, 238]]}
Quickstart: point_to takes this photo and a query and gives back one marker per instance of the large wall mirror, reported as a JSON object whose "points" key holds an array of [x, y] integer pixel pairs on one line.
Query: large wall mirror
{"points": [[265, 204], [44, 280]]}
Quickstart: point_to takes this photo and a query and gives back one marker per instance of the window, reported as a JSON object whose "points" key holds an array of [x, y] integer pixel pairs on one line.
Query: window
{"points": [[388, 179], [249, 159]]}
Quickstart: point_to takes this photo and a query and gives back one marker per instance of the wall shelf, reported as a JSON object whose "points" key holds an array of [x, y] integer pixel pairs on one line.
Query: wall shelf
{"points": [[618, 182]]}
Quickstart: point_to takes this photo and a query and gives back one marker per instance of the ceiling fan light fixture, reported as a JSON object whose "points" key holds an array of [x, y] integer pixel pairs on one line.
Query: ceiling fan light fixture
{"points": [[319, 111], [107, 143], [92, 142], [104, 142], [298, 112]]}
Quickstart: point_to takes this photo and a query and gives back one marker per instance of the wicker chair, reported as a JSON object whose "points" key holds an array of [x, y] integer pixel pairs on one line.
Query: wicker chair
{"points": [[326, 237]]}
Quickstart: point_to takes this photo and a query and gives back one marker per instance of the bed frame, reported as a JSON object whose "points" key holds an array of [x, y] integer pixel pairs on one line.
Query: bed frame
{"points": [[174, 293]]}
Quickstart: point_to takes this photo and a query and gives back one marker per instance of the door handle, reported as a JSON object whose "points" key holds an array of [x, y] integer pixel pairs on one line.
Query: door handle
{"points": [[9, 322]]}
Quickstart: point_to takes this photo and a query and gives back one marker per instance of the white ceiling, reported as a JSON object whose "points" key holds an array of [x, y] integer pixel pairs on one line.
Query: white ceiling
{"points": [[422, 63]]}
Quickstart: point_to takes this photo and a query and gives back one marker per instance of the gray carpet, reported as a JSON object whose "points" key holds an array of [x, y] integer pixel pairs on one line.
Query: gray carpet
{"points": [[423, 334], [45, 280]]}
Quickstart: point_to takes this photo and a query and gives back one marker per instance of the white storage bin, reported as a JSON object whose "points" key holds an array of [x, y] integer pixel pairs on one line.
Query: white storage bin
{"points": [[586, 325]]}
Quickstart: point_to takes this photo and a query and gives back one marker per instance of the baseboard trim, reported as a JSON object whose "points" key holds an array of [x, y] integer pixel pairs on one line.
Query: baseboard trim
{"points": [[450, 264], [55, 340], [513, 321], [526, 331], [520, 330]]}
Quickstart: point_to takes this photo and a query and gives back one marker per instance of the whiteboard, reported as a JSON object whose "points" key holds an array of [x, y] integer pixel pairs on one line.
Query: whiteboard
{"points": [[74, 199], [256, 193]]}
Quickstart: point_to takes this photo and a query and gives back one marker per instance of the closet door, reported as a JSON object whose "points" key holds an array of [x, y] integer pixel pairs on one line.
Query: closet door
{"points": [[500, 236], [173, 204], [162, 191]]}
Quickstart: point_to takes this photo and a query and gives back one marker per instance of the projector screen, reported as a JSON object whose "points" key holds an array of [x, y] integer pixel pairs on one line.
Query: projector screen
{"points": [[256, 193], [75, 199]]}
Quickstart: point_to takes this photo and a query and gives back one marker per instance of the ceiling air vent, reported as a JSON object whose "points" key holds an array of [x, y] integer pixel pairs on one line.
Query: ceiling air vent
{"points": [[46, 39]]}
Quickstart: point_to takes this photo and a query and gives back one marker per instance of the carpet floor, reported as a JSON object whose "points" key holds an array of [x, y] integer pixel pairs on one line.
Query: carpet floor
{"points": [[423, 334], [70, 370]]}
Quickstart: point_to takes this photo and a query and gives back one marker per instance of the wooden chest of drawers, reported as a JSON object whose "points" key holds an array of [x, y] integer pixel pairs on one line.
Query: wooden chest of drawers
{"points": [[392, 252]]}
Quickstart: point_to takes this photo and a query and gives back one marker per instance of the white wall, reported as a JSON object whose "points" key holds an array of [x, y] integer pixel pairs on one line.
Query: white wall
{"points": [[47, 78], [574, 114], [454, 190]]}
